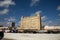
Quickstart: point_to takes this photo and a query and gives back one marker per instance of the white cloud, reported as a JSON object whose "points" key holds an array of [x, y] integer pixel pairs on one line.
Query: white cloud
{"points": [[1, 23], [5, 11], [33, 2], [58, 19], [6, 3], [47, 23], [10, 19], [8, 24], [37, 12], [58, 14], [43, 18], [58, 8], [51, 23]]}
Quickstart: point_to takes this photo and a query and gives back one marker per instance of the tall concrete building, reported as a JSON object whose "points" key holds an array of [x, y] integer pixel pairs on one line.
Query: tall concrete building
{"points": [[31, 22]]}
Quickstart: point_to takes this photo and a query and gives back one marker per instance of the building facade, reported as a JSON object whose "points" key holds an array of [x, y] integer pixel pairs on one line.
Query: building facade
{"points": [[31, 22], [52, 27]]}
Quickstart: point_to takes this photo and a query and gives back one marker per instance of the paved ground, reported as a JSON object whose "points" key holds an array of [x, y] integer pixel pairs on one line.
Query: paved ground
{"points": [[7, 39], [26, 36]]}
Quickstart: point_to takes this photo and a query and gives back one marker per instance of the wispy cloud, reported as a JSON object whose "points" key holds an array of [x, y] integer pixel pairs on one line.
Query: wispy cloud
{"points": [[50, 22], [2, 23], [8, 24], [33, 2], [6, 3], [43, 18], [58, 8], [5, 11], [58, 14], [18, 24], [37, 12], [10, 19], [47, 23]]}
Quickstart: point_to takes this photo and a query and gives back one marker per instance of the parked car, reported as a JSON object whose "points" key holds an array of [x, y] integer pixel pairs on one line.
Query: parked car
{"points": [[13, 31], [1, 34]]}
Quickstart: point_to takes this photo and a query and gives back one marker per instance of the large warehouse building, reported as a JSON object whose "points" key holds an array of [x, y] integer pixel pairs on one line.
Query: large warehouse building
{"points": [[31, 22]]}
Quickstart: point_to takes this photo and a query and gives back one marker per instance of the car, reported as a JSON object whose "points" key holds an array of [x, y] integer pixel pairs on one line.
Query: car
{"points": [[1, 34]]}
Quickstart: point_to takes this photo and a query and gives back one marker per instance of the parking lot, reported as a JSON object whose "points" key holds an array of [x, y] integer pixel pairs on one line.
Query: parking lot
{"points": [[30, 36]]}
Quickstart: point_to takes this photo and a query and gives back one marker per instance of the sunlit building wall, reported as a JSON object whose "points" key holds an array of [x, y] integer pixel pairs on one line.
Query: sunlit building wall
{"points": [[31, 22]]}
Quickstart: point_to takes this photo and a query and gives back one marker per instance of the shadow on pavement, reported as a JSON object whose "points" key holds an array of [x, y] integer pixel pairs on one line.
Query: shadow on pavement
{"points": [[7, 39]]}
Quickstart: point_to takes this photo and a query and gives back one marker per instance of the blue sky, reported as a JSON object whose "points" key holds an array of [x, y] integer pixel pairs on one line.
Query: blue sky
{"points": [[12, 10]]}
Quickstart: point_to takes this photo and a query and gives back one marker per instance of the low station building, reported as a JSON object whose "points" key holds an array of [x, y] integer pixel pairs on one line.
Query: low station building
{"points": [[52, 27]]}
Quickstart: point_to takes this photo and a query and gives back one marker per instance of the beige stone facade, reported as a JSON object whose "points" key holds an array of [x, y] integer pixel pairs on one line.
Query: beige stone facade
{"points": [[31, 22]]}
